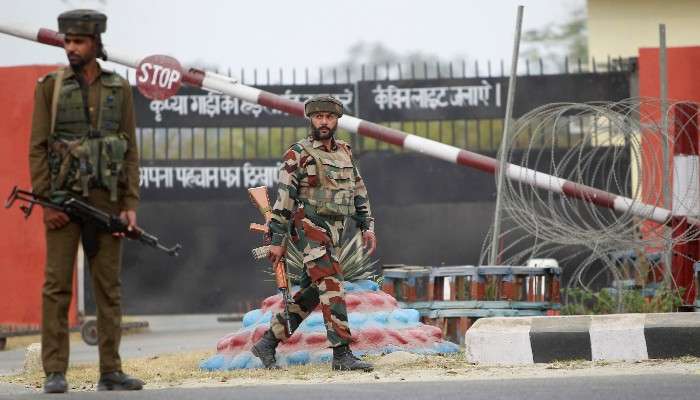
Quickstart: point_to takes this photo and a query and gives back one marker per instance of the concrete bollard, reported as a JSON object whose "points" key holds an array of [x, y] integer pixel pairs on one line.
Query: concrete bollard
{"points": [[616, 337]]}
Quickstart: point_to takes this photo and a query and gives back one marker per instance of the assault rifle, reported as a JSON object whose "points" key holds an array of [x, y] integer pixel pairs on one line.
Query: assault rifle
{"points": [[259, 198], [83, 213]]}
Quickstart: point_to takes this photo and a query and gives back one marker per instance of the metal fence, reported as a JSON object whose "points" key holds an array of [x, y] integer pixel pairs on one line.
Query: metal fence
{"points": [[423, 70], [225, 142]]}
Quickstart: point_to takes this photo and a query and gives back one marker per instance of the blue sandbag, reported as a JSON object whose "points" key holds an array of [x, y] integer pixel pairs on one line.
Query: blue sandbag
{"points": [[265, 319], [405, 316], [367, 286], [213, 363], [312, 323], [446, 347], [251, 317], [350, 287], [381, 317], [254, 362], [356, 320], [298, 358], [240, 361], [324, 357]]}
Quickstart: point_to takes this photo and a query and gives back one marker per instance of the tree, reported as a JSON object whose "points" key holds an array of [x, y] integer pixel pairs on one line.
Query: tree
{"points": [[556, 41], [416, 63]]}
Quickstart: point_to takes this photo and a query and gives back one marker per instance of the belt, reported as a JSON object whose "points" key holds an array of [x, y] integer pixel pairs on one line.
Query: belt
{"points": [[335, 218], [311, 210]]}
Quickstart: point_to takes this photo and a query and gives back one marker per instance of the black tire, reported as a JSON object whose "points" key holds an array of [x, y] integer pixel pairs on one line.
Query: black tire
{"points": [[88, 331], [3, 343]]}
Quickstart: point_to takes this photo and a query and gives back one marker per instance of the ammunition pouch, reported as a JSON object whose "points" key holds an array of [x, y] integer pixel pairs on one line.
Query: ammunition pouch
{"points": [[79, 164], [82, 157], [334, 196]]}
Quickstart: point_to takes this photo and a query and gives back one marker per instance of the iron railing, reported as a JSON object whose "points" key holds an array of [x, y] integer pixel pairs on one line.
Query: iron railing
{"points": [[265, 142]]}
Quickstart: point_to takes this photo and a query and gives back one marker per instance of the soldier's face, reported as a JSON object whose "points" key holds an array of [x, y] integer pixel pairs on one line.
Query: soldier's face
{"points": [[323, 125], [80, 50]]}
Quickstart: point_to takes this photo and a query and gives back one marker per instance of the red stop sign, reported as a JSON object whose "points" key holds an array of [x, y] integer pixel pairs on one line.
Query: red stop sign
{"points": [[158, 77]]}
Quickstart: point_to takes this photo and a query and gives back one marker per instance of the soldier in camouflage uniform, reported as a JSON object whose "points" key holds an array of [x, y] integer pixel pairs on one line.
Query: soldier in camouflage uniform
{"points": [[319, 188], [83, 144]]}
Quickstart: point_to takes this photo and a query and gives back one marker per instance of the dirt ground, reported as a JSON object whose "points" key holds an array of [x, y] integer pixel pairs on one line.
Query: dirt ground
{"points": [[182, 370]]}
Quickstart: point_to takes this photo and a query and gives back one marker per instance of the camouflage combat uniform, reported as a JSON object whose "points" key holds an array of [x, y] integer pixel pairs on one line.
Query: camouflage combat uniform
{"points": [[319, 189]]}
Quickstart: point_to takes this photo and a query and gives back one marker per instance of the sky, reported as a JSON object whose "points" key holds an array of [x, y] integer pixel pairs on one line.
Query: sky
{"points": [[286, 34]]}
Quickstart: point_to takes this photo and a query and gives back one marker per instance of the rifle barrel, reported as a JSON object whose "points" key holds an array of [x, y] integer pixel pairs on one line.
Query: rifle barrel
{"points": [[76, 208]]}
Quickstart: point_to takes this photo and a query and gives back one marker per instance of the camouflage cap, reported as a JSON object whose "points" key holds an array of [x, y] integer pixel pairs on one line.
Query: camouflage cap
{"points": [[82, 22], [323, 104]]}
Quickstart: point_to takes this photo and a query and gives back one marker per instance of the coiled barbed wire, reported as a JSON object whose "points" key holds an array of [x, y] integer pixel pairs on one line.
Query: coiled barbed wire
{"points": [[612, 146]]}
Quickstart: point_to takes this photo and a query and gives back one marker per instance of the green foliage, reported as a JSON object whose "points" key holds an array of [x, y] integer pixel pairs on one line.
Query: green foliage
{"points": [[582, 302], [353, 258], [577, 302], [362, 57], [570, 36], [491, 289]]}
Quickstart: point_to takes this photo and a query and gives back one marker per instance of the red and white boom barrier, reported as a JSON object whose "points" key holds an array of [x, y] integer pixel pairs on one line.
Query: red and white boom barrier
{"points": [[227, 85]]}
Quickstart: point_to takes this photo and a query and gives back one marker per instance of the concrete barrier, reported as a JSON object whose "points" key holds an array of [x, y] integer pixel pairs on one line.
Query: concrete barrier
{"points": [[617, 337]]}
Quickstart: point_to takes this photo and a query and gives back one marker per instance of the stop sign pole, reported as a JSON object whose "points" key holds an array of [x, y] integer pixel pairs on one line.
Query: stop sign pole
{"points": [[212, 81]]}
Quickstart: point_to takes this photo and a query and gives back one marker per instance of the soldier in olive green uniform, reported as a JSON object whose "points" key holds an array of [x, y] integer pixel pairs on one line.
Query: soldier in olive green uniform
{"points": [[319, 188], [83, 144]]}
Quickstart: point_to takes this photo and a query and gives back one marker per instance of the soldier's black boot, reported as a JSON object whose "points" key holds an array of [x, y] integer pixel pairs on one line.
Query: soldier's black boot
{"points": [[55, 383], [344, 360], [264, 349], [118, 380]]}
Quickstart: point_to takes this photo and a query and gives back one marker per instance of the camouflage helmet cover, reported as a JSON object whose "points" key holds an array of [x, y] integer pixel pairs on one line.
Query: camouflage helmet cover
{"points": [[323, 104], [82, 22]]}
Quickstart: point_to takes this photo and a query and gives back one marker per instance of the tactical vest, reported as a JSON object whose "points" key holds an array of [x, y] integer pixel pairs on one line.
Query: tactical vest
{"points": [[81, 157], [334, 195]]}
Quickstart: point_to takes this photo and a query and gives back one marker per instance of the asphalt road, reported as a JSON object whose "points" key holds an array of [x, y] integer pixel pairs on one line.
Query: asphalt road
{"points": [[636, 387], [166, 334], [170, 334]]}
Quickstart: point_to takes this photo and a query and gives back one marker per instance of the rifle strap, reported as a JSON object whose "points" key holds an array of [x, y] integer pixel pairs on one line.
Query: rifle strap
{"points": [[88, 235], [57, 85]]}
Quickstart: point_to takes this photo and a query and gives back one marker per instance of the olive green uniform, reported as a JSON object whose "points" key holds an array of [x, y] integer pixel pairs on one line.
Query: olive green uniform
{"points": [[62, 244]]}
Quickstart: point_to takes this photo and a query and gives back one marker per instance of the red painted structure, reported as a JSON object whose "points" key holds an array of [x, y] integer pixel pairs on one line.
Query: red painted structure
{"points": [[22, 248], [683, 85], [685, 254]]}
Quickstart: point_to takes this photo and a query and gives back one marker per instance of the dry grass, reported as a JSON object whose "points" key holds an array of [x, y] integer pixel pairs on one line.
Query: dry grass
{"points": [[688, 360], [164, 369], [21, 342], [182, 370], [574, 364]]}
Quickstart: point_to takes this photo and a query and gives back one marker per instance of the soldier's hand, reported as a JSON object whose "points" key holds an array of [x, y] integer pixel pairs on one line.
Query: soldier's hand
{"points": [[55, 219], [369, 241], [129, 218], [276, 253]]}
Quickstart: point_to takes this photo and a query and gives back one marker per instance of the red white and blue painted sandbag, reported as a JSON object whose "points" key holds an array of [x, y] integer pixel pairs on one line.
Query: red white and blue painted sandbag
{"points": [[378, 326]]}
